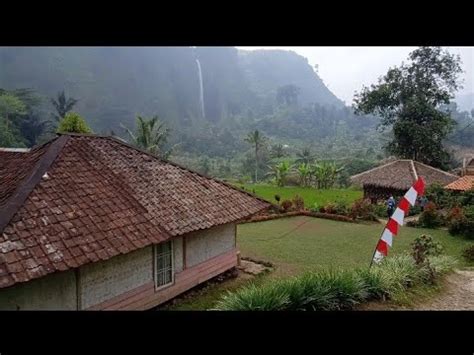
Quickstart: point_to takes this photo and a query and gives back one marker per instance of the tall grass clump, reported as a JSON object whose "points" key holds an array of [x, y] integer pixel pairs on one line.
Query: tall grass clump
{"points": [[338, 289]]}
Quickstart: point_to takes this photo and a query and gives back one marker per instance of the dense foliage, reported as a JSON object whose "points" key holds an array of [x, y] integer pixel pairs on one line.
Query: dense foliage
{"points": [[409, 99], [72, 122]]}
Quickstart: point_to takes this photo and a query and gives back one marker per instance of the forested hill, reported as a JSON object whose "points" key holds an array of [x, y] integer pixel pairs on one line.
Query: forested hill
{"points": [[114, 84]]}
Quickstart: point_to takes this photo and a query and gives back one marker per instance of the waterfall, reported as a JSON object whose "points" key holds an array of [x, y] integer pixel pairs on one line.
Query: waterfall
{"points": [[201, 88]]}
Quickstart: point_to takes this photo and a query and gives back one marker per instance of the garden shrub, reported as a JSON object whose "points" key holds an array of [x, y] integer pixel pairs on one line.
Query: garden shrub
{"points": [[467, 198], [440, 196], [468, 252], [462, 223], [277, 198], [328, 208], [362, 209], [425, 246], [430, 217], [286, 205], [414, 210], [298, 203], [337, 289], [380, 210]]}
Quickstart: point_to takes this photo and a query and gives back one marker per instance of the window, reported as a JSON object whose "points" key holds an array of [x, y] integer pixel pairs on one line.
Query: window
{"points": [[164, 264]]}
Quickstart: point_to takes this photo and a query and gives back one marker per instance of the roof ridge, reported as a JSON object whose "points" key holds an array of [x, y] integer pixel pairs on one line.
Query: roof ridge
{"points": [[433, 168], [376, 168], [115, 139], [415, 173], [16, 200]]}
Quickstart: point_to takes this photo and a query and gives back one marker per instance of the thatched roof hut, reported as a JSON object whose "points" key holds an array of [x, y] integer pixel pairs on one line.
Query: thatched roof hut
{"points": [[397, 177]]}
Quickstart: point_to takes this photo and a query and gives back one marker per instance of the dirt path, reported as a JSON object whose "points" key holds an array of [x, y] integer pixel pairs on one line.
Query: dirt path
{"points": [[458, 294]]}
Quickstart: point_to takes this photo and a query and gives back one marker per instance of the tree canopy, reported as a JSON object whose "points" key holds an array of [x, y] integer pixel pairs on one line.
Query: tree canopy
{"points": [[409, 99], [73, 123]]}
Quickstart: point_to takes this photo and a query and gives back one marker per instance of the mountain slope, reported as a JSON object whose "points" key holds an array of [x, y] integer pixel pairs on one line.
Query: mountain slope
{"points": [[113, 84]]}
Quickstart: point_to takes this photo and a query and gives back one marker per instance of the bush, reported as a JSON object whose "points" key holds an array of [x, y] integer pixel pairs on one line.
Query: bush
{"points": [[468, 252], [315, 207], [286, 205], [425, 246], [73, 123], [298, 203], [336, 289], [430, 217], [467, 198], [338, 207], [380, 210], [414, 210], [362, 209], [256, 298], [277, 198], [462, 223], [440, 196]]}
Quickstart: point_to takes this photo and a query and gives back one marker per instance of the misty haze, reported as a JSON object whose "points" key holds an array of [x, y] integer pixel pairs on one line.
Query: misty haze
{"points": [[136, 167]]}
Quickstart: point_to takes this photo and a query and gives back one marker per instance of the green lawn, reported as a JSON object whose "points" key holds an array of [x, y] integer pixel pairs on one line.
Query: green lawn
{"points": [[298, 244], [309, 194], [303, 243]]}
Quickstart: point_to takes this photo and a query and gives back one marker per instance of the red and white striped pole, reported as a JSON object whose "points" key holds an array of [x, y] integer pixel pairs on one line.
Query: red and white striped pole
{"points": [[391, 228]]}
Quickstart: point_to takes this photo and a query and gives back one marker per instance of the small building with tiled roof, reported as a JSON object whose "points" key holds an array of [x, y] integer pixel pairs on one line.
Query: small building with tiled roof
{"points": [[90, 222], [466, 181], [397, 177]]}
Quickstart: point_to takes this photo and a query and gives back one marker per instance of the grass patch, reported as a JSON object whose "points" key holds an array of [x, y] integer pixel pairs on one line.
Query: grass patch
{"points": [[309, 194], [299, 244]]}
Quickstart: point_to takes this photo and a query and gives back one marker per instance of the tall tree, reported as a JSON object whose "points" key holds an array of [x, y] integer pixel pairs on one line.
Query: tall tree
{"points": [[305, 156], [305, 171], [73, 123], [288, 94], [258, 140], [277, 151], [150, 134], [279, 172], [10, 105], [409, 99], [63, 105]]}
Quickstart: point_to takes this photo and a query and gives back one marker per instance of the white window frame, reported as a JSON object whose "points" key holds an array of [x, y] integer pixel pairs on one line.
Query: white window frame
{"points": [[155, 271]]}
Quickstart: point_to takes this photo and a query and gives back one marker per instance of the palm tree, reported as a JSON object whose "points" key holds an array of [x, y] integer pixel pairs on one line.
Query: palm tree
{"points": [[305, 156], [258, 140], [279, 172], [326, 174], [150, 134], [305, 171], [278, 151], [62, 105]]}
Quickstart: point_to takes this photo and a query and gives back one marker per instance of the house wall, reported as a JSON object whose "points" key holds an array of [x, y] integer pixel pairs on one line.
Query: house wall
{"points": [[178, 254], [206, 244], [127, 281], [53, 292], [207, 254], [107, 279]]}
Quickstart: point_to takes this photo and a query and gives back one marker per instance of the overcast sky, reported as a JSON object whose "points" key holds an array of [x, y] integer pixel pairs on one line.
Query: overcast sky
{"points": [[345, 69]]}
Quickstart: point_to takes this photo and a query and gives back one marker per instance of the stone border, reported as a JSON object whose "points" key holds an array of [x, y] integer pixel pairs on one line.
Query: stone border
{"points": [[335, 217]]}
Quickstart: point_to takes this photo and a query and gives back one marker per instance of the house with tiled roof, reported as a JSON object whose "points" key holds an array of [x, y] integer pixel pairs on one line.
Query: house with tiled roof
{"points": [[92, 223], [396, 177], [466, 181]]}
